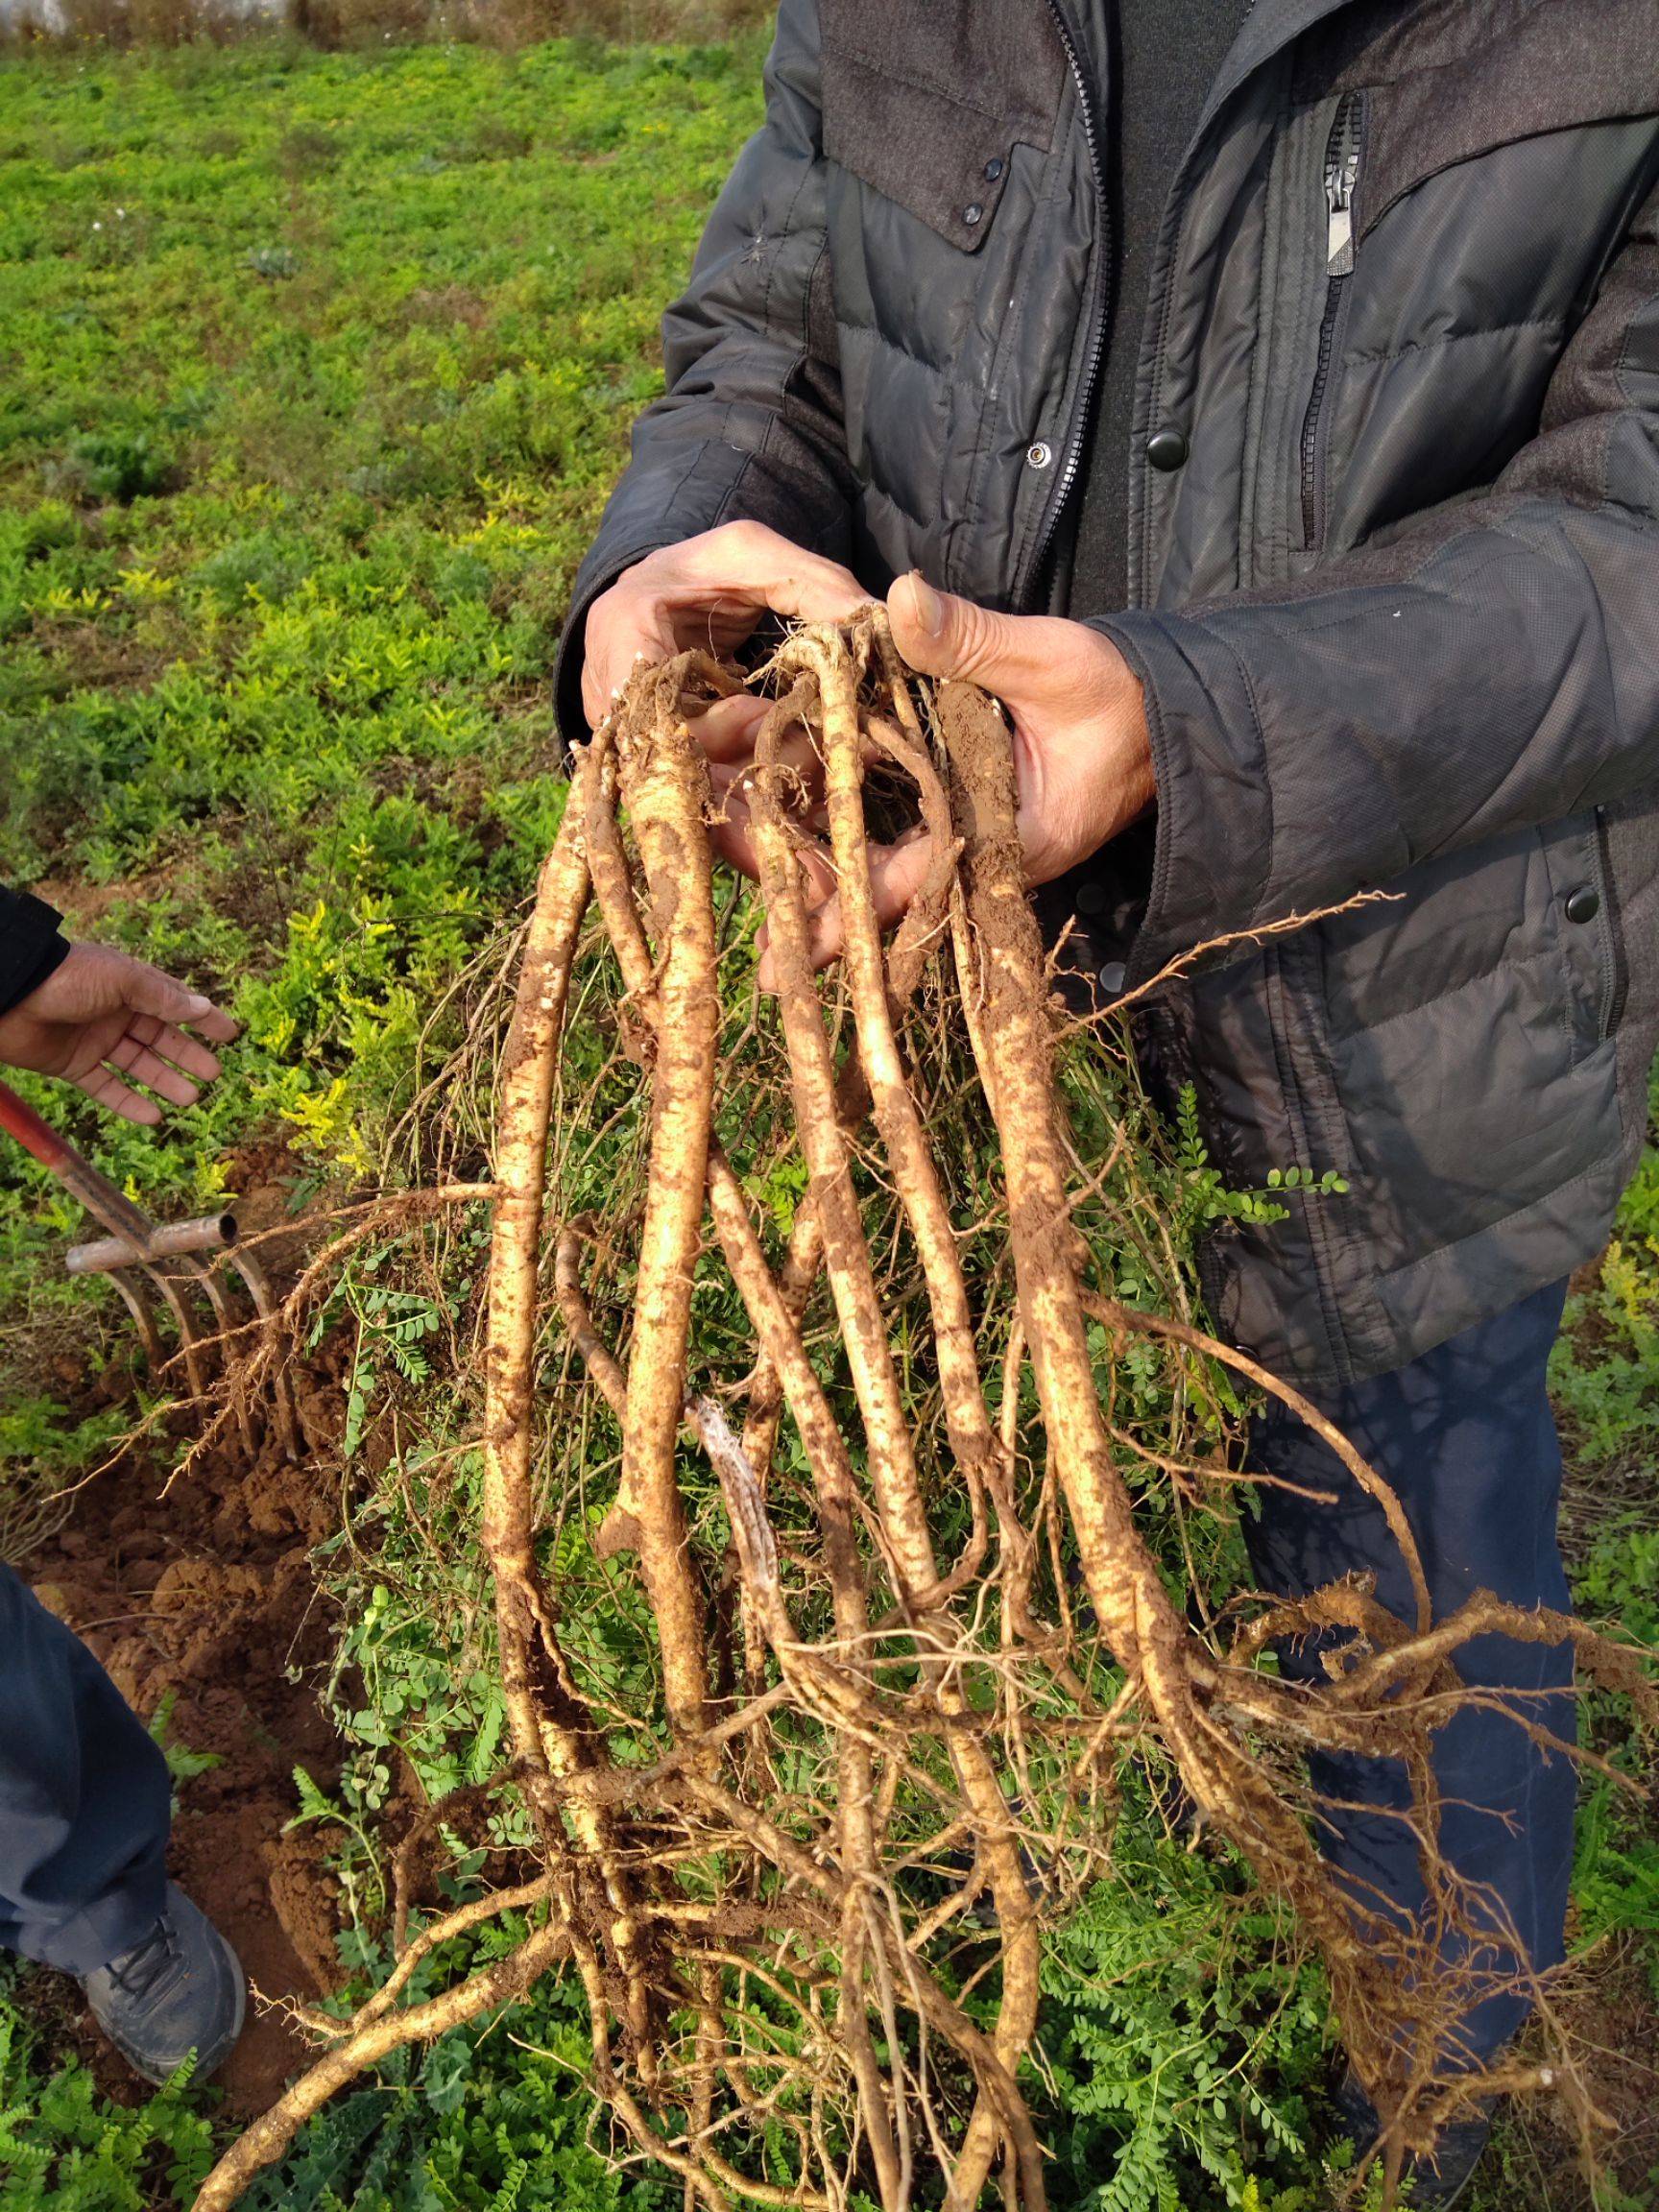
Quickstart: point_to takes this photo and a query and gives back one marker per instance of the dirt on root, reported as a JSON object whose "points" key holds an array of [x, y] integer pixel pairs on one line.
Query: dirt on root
{"points": [[204, 1592]]}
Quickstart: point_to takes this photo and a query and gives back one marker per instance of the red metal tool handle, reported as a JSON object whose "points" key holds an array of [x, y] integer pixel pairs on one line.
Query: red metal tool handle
{"points": [[35, 1135], [103, 1199]]}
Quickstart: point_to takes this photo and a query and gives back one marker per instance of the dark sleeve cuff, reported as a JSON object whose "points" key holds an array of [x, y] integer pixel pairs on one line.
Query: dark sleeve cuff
{"points": [[1215, 848], [30, 945]]}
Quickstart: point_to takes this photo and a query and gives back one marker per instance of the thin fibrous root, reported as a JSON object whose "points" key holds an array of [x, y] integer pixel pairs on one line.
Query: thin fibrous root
{"points": [[804, 1881]]}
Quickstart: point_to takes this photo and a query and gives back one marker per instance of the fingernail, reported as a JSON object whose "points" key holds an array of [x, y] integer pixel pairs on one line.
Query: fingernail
{"points": [[197, 1005], [929, 607]]}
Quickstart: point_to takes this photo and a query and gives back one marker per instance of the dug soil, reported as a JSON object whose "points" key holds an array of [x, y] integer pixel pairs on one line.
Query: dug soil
{"points": [[204, 1593]]}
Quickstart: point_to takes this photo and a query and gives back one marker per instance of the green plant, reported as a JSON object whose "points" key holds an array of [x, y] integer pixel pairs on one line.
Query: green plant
{"points": [[1180, 2058], [1605, 1377], [44, 1447], [63, 2143], [481, 2121], [182, 1764], [119, 464]]}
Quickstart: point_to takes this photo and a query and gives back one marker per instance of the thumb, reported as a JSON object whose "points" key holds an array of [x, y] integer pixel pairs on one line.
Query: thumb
{"points": [[942, 635]]}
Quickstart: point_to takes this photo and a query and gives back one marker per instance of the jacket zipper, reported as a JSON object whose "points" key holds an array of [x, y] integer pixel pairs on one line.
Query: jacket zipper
{"points": [[1104, 294], [1613, 968], [1342, 176], [1102, 306]]}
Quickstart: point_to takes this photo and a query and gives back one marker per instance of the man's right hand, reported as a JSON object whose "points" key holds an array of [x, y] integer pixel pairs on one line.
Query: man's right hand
{"points": [[709, 592]]}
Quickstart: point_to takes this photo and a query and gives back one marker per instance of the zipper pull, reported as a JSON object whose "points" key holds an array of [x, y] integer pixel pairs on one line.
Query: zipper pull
{"points": [[1342, 176]]}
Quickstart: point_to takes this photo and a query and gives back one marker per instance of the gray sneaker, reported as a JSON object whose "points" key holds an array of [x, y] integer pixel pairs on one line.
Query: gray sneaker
{"points": [[177, 1990]]}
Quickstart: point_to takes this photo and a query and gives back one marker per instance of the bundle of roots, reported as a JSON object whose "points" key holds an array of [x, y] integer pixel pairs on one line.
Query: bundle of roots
{"points": [[880, 1509]]}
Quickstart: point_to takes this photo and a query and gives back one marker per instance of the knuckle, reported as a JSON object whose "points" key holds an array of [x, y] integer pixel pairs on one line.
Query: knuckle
{"points": [[747, 540], [604, 618]]}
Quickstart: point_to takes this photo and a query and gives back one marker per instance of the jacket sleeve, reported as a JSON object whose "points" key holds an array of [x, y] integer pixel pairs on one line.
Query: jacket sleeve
{"points": [[30, 945], [1495, 664], [750, 426]]}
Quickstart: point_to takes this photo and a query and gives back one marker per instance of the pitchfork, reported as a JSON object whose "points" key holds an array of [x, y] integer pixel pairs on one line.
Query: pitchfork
{"points": [[164, 1254]]}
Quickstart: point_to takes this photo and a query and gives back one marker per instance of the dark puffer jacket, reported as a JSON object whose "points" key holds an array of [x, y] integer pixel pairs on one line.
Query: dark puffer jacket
{"points": [[1394, 558]]}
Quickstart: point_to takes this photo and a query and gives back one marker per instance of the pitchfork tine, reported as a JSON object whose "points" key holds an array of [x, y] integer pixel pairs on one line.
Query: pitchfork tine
{"points": [[143, 1320], [189, 1336], [259, 1290], [213, 1290], [105, 1202]]}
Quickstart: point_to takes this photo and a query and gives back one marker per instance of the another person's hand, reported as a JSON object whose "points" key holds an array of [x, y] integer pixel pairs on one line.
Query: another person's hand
{"points": [[115, 1027], [708, 591]]}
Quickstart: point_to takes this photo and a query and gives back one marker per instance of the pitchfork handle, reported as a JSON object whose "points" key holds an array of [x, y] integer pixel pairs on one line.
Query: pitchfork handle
{"points": [[34, 1134]]}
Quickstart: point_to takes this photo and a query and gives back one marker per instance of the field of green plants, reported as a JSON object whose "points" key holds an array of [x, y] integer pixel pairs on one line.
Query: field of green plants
{"points": [[317, 369]]}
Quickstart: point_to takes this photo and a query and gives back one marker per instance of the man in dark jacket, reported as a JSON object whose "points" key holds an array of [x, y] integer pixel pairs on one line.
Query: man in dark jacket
{"points": [[1264, 401], [84, 1795]]}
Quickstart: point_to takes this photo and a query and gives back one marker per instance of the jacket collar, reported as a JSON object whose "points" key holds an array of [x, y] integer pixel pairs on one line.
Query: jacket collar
{"points": [[1268, 27]]}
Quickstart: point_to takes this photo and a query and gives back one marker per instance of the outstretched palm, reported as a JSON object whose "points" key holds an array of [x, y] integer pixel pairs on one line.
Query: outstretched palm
{"points": [[116, 1028]]}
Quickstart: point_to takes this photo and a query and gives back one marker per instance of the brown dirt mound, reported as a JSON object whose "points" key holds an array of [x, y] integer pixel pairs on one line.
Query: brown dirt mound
{"points": [[205, 1592]]}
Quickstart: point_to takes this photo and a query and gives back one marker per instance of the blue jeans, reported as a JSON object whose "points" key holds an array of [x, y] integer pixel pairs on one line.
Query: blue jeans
{"points": [[84, 1797], [1466, 1438]]}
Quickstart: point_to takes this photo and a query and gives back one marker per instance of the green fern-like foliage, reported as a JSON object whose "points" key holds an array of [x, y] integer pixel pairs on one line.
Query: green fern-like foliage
{"points": [[489, 2118], [65, 2144], [1179, 2047]]}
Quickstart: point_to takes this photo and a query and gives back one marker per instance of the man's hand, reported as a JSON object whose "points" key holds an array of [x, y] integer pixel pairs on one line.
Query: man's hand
{"points": [[709, 592], [1081, 751], [1080, 745], [106, 1023]]}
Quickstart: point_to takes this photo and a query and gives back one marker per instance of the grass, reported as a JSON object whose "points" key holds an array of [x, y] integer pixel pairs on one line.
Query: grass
{"points": [[318, 369], [317, 372]]}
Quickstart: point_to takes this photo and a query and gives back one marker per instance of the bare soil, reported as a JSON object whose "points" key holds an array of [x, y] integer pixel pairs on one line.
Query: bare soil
{"points": [[206, 1591], [1614, 2020]]}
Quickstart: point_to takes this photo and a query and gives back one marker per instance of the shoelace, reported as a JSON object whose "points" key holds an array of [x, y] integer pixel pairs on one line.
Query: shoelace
{"points": [[136, 1972]]}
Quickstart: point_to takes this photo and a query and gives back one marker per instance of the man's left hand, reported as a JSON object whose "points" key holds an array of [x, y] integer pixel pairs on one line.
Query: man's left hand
{"points": [[1080, 745], [1081, 752]]}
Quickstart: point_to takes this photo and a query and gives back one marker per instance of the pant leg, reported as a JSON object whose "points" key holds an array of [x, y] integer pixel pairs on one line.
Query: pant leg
{"points": [[1466, 1438], [84, 1797]]}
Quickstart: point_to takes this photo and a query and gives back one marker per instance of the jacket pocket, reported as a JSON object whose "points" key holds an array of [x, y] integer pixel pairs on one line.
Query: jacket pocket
{"points": [[925, 106]]}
